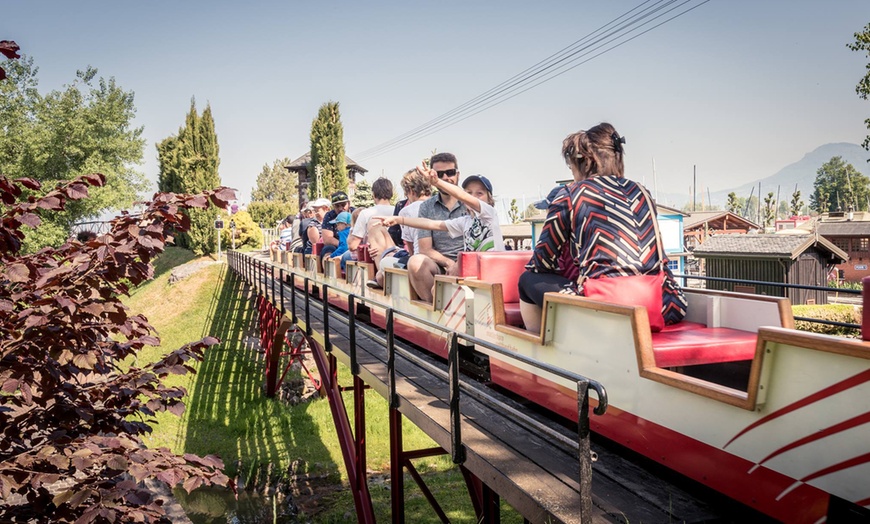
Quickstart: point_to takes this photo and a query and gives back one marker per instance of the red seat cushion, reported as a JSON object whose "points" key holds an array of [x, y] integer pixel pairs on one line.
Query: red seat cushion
{"points": [[468, 264], [691, 344], [362, 253], [512, 314], [317, 247], [504, 267]]}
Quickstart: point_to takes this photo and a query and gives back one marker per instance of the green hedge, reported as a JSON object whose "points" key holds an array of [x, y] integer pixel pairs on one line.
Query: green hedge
{"points": [[831, 312]]}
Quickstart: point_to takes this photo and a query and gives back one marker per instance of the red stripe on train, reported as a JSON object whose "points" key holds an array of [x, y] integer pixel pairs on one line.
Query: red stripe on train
{"points": [[676, 451], [829, 391]]}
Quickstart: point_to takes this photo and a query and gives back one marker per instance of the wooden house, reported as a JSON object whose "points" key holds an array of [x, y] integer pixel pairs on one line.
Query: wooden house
{"points": [[701, 224], [851, 233], [301, 167], [781, 258]]}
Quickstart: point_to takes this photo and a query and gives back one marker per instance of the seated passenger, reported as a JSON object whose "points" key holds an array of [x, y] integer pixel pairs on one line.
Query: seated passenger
{"points": [[342, 230], [382, 246], [438, 251], [312, 231], [382, 192], [607, 219]]}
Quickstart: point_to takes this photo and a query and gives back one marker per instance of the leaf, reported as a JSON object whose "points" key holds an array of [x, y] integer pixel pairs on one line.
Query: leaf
{"points": [[29, 219], [117, 462], [192, 483], [10, 386], [79, 497], [170, 476], [176, 409], [95, 179], [63, 497], [50, 202], [6, 305], [18, 273], [84, 360], [77, 191], [28, 182], [9, 49]]}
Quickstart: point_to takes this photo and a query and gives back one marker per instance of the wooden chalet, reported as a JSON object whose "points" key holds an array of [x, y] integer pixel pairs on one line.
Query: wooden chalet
{"points": [[781, 258], [301, 167], [851, 233], [697, 226]]}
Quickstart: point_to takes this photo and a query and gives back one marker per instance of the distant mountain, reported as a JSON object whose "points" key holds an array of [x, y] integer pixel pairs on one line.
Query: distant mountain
{"points": [[802, 173]]}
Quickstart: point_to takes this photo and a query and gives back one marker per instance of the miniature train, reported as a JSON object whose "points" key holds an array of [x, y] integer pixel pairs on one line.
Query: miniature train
{"points": [[733, 397]]}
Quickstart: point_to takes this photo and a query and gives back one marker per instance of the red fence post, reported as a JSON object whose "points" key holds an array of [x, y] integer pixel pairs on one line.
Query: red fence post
{"points": [[865, 313]]}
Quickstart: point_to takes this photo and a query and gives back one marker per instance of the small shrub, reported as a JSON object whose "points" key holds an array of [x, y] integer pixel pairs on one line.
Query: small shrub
{"points": [[830, 312]]}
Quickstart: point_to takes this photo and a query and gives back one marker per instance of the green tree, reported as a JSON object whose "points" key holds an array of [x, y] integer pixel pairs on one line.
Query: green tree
{"points": [[514, 212], [248, 234], [275, 184], [363, 196], [189, 163], [85, 127], [796, 203], [839, 186], [732, 205], [769, 209], [270, 213], [327, 152], [862, 43]]}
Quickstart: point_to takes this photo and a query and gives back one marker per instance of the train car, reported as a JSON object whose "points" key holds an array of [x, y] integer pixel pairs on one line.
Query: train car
{"points": [[733, 397]]}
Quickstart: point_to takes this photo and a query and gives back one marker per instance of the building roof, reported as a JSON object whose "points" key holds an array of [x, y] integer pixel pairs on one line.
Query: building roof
{"points": [[717, 220], [301, 164], [766, 246], [836, 229], [667, 210]]}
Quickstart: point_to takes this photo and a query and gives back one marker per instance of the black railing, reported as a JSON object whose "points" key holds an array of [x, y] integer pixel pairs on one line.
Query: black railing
{"points": [[455, 383], [849, 325]]}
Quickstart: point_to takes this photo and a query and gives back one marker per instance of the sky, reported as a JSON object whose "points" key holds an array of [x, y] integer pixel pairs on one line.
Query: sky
{"points": [[734, 90]]}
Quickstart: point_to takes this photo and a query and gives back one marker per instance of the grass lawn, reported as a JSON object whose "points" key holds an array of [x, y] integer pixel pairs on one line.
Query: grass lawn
{"points": [[228, 415]]}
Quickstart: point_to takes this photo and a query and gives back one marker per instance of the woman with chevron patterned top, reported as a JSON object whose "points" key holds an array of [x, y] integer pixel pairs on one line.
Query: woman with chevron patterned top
{"points": [[606, 219]]}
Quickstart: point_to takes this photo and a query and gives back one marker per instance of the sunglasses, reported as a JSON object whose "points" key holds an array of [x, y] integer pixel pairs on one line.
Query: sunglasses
{"points": [[446, 173]]}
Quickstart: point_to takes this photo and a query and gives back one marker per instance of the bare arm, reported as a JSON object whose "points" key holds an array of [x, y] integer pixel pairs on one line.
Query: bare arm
{"points": [[313, 234], [353, 242], [419, 223], [329, 238]]}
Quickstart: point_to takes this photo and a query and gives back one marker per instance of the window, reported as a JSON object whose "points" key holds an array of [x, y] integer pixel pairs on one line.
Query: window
{"points": [[674, 265], [842, 243], [862, 244]]}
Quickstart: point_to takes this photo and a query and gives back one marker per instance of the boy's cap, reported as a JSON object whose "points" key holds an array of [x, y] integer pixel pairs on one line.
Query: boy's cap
{"points": [[339, 197], [320, 202], [478, 178], [342, 218], [545, 203]]}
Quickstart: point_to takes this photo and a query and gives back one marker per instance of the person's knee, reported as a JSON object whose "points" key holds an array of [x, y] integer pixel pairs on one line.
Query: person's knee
{"points": [[417, 263]]}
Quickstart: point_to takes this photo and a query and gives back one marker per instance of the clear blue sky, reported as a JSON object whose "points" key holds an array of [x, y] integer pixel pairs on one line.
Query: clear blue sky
{"points": [[738, 88]]}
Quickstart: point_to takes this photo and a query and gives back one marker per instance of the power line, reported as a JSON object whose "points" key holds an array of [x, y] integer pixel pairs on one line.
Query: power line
{"points": [[553, 66], [535, 69]]}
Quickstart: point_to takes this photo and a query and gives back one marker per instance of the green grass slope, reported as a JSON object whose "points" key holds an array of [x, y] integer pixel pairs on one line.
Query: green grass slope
{"points": [[228, 415]]}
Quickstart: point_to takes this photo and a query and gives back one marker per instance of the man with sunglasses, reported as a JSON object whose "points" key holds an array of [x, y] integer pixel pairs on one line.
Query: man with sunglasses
{"points": [[438, 251]]}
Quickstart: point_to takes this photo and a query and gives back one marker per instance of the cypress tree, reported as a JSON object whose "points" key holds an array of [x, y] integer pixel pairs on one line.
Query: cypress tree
{"points": [[327, 151], [189, 164]]}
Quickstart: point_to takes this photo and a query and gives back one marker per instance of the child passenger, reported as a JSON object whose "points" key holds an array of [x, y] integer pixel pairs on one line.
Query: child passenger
{"points": [[342, 230], [479, 228]]}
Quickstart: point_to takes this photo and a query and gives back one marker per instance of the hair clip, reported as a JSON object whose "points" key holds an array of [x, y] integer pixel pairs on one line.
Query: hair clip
{"points": [[617, 142]]}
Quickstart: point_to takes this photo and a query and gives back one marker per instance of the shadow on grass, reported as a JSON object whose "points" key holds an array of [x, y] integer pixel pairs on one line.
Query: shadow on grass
{"points": [[227, 411]]}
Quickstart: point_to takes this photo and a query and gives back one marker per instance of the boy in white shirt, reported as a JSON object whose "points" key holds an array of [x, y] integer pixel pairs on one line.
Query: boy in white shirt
{"points": [[480, 229]]}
